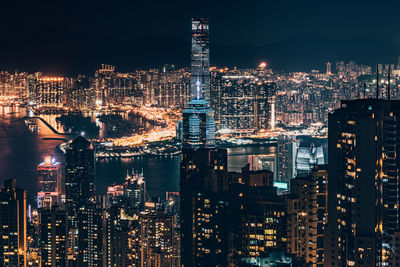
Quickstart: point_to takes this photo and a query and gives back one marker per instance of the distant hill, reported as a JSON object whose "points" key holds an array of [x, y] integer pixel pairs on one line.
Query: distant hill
{"points": [[67, 53], [306, 51]]}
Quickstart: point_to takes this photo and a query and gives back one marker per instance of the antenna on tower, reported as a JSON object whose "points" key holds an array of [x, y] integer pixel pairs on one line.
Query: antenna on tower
{"points": [[389, 83], [377, 81]]}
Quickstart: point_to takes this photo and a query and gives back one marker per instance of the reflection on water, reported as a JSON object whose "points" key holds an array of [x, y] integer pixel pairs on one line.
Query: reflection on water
{"points": [[51, 119], [22, 150]]}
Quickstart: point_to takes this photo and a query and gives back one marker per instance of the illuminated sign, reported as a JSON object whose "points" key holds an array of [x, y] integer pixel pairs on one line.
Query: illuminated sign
{"points": [[281, 185], [47, 161]]}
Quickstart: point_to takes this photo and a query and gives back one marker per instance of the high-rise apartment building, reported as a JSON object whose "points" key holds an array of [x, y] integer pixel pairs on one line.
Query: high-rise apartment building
{"points": [[157, 234], [306, 216], [135, 190], [111, 88], [286, 152], [49, 92], [91, 235], [12, 225], [79, 177], [53, 236], [256, 216], [79, 191], [243, 103], [81, 94], [363, 184], [203, 176]]}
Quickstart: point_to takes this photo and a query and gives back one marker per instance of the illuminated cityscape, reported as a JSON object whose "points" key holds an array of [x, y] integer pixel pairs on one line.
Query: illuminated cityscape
{"points": [[243, 147]]}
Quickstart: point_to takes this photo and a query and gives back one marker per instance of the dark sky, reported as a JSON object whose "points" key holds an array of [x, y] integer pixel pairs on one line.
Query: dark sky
{"points": [[232, 22], [69, 37]]}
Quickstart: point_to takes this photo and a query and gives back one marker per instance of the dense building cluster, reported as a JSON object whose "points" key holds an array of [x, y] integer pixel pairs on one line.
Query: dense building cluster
{"points": [[287, 209], [243, 100], [121, 228]]}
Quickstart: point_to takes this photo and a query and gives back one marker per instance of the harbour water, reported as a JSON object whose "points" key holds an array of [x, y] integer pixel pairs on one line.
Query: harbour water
{"points": [[21, 150]]}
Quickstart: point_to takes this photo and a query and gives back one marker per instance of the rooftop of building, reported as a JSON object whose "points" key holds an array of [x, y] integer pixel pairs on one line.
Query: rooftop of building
{"points": [[369, 104]]}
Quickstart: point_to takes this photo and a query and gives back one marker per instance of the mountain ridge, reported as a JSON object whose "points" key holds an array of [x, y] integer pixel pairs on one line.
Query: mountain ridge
{"points": [[69, 54]]}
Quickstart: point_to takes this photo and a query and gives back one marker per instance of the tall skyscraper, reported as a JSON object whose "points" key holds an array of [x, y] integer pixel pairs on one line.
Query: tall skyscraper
{"points": [[328, 68], [198, 118], [198, 125], [53, 236], [157, 234], [79, 177], [79, 191], [242, 103], [203, 176], [363, 183], [286, 159], [256, 218], [200, 67], [12, 225], [91, 235], [49, 179], [49, 92], [306, 211], [135, 190]]}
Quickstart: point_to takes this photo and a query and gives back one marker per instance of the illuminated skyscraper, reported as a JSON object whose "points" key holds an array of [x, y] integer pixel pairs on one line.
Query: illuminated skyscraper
{"points": [[200, 62], [157, 233], [79, 190], [135, 190], [198, 118], [286, 159], [110, 87], [79, 177], [49, 92], [306, 213], [243, 103], [12, 225], [328, 68], [91, 235], [203, 175], [363, 183], [198, 124], [53, 237], [49, 179]]}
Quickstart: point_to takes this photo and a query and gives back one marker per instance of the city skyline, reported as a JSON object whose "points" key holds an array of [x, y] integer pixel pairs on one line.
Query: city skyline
{"points": [[200, 164]]}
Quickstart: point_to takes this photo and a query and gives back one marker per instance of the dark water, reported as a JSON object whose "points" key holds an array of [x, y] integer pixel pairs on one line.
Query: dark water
{"points": [[22, 150]]}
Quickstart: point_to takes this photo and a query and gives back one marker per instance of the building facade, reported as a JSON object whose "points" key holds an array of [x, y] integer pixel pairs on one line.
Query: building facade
{"points": [[363, 183], [306, 214], [12, 225], [49, 180], [200, 60]]}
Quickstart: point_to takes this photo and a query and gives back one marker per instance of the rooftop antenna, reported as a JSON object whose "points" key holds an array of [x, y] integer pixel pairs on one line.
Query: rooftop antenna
{"points": [[389, 83], [377, 81]]}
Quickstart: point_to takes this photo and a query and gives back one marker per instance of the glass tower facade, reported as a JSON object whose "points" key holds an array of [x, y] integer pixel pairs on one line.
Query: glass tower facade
{"points": [[200, 62]]}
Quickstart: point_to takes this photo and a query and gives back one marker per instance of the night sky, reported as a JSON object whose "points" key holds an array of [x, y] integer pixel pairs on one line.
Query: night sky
{"points": [[70, 28]]}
